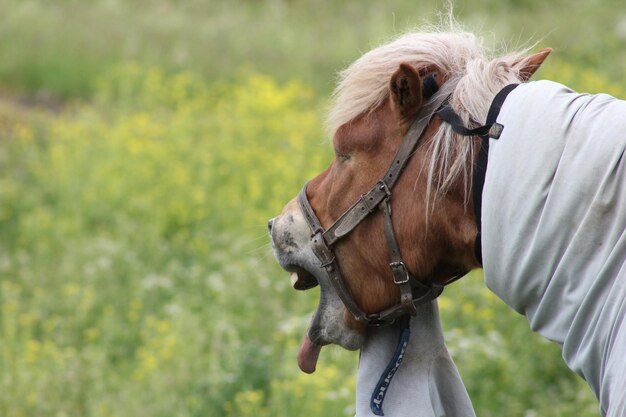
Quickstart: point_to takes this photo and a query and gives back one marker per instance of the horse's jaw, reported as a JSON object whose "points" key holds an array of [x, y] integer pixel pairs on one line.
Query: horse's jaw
{"points": [[291, 241], [427, 383]]}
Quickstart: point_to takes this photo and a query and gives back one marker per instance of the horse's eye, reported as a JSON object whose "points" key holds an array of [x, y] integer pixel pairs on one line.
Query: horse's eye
{"points": [[342, 156]]}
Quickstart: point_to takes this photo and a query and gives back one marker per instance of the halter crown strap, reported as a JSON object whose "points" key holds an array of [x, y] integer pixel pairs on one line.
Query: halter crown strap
{"points": [[370, 201], [490, 129]]}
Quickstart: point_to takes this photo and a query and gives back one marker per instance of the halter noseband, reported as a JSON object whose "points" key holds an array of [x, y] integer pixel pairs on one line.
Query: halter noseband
{"points": [[413, 291]]}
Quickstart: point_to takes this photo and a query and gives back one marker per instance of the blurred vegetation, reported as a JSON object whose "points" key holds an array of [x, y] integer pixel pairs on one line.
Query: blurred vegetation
{"points": [[143, 145], [60, 47]]}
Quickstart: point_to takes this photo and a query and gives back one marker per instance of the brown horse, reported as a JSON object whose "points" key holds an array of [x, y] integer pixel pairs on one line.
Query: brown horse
{"points": [[375, 104], [432, 209]]}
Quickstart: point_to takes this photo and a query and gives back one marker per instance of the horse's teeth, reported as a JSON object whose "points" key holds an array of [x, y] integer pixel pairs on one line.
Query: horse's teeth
{"points": [[294, 279]]}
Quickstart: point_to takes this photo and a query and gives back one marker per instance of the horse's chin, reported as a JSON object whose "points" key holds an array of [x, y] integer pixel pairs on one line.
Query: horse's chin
{"points": [[291, 242], [328, 324]]}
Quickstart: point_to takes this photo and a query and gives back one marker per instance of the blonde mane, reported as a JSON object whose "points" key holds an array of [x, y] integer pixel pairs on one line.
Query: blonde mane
{"points": [[364, 86]]}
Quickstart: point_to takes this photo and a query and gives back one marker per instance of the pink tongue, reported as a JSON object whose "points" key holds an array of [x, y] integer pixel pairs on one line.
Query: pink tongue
{"points": [[307, 357]]}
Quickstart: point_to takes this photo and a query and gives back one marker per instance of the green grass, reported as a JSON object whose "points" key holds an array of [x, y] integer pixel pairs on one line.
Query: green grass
{"points": [[134, 255], [137, 279], [63, 46], [135, 273]]}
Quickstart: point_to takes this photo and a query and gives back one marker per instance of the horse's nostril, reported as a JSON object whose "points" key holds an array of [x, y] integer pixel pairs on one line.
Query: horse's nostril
{"points": [[270, 224]]}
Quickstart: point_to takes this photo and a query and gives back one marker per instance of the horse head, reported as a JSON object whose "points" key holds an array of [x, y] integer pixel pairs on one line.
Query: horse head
{"points": [[376, 102]]}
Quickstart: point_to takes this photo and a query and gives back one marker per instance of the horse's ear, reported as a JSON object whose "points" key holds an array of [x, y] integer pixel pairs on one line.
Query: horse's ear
{"points": [[406, 90], [528, 65]]}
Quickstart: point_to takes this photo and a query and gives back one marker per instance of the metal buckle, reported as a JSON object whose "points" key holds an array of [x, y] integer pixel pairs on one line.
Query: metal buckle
{"points": [[369, 319], [495, 131], [382, 185], [399, 272], [374, 320], [324, 254]]}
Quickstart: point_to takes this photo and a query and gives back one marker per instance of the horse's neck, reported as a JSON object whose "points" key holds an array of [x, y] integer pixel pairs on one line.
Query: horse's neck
{"points": [[427, 384]]}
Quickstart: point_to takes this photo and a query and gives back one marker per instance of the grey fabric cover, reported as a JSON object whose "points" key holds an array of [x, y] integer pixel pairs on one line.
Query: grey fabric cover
{"points": [[427, 384], [554, 221]]}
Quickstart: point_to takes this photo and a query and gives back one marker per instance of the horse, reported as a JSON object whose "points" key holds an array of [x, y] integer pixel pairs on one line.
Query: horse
{"points": [[446, 160]]}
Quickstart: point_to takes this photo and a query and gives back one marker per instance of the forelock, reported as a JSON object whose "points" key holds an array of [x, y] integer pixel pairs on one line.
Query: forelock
{"points": [[364, 85]]}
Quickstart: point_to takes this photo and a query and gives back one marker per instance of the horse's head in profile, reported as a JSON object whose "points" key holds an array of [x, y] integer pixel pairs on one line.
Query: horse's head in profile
{"points": [[377, 100]]}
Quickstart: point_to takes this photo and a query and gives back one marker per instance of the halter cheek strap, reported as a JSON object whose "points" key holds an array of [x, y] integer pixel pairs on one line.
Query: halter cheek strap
{"points": [[412, 290]]}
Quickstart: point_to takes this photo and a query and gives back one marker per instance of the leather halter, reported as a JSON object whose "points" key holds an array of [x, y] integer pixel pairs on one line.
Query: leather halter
{"points": [[412, 290]]}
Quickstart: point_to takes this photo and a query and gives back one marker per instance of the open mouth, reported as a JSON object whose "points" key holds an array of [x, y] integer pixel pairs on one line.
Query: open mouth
{"points": [[301, 279], [326, 324]]}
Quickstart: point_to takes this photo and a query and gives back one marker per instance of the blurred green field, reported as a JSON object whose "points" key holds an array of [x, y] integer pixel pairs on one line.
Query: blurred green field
{"points": [[60, 47], [139, 142]]}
